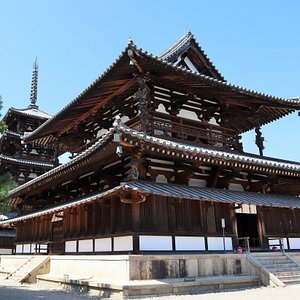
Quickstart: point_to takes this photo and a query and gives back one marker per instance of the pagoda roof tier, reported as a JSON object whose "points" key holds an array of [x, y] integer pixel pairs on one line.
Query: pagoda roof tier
{"points": [[25, 162], [243, 107], [171, 190], [28, 112], [132, 138], [11, 133]]}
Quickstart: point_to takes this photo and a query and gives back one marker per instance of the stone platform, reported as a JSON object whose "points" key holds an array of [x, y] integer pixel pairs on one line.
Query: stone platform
{"points": [[137, 275]]}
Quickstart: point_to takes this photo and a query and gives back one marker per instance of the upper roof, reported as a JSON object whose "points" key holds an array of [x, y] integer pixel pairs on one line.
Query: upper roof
{"points": [[188, 46], [118, 82]]}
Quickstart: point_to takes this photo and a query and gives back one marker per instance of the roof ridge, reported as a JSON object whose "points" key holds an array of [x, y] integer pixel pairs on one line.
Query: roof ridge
{"points": [[184, 39]]}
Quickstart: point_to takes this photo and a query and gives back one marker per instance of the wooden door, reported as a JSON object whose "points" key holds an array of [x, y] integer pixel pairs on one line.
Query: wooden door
{"points": [[57, 240]]}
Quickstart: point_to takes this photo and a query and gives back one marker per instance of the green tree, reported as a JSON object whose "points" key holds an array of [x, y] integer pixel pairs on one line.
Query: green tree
{"points": [[6, 184]]}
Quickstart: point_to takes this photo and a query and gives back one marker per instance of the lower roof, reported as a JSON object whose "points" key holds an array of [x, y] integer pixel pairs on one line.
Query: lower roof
{"points": [[175, 191], [26, 162]]}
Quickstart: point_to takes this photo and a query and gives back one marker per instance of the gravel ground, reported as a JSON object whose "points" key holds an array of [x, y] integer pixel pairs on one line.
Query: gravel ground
{"points": [[14, 291]]}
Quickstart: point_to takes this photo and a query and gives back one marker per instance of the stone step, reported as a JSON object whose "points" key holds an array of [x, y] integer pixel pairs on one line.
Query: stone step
{"points": [[291, 281], [289, 277], [279, 270], [273, 261], [284, 273], [278, 266], [138, 289], [267, 254]]}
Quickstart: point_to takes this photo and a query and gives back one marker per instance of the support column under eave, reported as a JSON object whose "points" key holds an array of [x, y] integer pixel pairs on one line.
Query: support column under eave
{"points": [[233, 223], [136, 221], [261, 228]]}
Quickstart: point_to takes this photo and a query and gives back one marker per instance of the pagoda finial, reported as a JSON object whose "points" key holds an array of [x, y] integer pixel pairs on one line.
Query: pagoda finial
{"points": [[34, 85]]}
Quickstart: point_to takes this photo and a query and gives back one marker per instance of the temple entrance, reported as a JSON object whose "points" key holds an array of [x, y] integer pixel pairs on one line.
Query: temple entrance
{"points": [[247, 227], [57, 241]]}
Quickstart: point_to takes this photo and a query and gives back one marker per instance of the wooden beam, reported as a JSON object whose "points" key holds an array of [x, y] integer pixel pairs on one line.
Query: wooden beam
{"points": [[97, 106]]}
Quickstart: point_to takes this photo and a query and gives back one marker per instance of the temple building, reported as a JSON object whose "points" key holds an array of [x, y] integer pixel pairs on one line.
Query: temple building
{"points": [[25, 161], [158, 164]]}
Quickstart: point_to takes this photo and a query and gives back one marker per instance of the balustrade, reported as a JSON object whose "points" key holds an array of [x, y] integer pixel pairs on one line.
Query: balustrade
{"points": [[180, 129]]}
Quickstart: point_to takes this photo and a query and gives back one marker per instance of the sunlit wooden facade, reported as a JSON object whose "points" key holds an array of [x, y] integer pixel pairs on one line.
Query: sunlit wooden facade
{"points": [[158, 162]]}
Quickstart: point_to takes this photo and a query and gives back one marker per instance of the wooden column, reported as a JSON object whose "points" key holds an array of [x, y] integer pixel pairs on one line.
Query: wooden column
{"points": [[233, 223], [261, 227]]}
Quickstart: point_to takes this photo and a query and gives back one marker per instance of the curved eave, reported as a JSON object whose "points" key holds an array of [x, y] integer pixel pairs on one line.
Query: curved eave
{"points": [[25, 162], [108, 82], [169, 148], [62, 170], [120, 73], [36, 114]]}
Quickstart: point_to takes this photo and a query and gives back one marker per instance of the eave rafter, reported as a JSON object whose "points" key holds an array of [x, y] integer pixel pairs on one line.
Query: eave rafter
{"points": [[97, 106]]}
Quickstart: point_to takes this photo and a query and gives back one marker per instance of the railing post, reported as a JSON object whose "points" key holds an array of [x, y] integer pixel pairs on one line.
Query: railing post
{"points": [[248, 244]]}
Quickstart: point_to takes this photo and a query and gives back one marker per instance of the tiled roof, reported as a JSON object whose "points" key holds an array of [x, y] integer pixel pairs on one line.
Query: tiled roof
{"points": [[57, 123], [213, 194], [199, 152], [219, 83], [25, 161], [245, 158], [8, 132], [33, 112], [183, 44], [78, 161], [7, 233], [177, 191]]}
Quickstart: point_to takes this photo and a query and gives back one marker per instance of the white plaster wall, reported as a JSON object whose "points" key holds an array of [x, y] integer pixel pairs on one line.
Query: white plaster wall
{"points": [[155, 243], [294, 243], [190, 65], [43, 248], [236, 187], [161, 108], [103, 244], [123, 243], [32, 250], [161, 179], [70, 246], [197, 182], [216, 243], [85, 245], [188, 115], [26, 248], [19, 248], [192, 243]]}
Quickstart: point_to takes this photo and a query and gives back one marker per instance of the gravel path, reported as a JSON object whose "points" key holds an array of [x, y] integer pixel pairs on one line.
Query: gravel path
{"points": [[14, 291]]}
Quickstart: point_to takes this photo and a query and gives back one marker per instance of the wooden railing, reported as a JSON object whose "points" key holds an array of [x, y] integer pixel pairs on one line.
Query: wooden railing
{"points": [[181, 129]]}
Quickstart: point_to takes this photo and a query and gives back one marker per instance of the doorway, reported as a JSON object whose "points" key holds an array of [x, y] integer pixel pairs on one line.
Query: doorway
{"points": [[247, 227], [57, 244]]}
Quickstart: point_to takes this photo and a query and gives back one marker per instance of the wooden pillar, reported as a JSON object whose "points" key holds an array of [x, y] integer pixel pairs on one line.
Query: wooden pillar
{"points": [[136, 224], [233, 223], [261, 227]]}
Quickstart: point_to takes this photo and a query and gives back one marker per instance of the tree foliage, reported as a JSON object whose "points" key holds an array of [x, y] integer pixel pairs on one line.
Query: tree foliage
{"points": [[2, 124]]}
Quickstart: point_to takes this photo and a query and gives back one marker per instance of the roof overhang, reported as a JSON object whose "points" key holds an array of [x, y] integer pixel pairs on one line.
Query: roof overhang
{"points": [[174, 191], [118, 80], [133, 138]]}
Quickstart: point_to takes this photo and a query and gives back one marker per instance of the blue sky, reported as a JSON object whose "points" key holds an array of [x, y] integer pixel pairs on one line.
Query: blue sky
{"points": [[254, 44]]}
